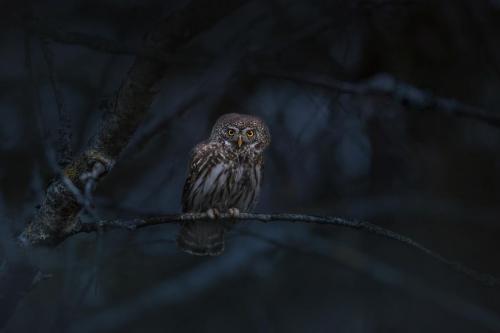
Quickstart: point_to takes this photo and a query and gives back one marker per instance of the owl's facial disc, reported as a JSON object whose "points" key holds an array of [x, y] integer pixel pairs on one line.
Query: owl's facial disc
{"points": [[239, 136]]}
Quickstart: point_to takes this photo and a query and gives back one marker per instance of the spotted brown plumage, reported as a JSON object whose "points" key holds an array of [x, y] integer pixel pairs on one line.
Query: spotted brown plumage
{"points": [[225, 174]]}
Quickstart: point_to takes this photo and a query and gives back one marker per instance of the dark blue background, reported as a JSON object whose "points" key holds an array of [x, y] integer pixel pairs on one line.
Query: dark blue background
{"points": [[425, 174]]}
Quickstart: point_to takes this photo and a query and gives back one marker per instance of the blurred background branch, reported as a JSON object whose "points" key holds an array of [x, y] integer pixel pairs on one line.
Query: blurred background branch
{"points": [[387, 85]]}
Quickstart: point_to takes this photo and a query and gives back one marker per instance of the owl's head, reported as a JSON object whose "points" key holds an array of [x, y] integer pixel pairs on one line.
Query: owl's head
{"points": [[241, 131]]}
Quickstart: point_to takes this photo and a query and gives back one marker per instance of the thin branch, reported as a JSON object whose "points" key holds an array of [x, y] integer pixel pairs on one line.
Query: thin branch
{"points": [[137, 223], [64, 132], [17, 275], [166, 124], [385, 274], [387, 85]]}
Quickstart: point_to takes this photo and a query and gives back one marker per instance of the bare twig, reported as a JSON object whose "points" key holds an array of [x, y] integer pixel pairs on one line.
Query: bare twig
{"points": [[136, 223], [387, 85], [90, 179]]}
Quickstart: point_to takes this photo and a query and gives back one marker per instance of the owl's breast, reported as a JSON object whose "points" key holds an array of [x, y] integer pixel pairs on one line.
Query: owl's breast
{"points": [[239, 173], [244, 184], [224, 183]]}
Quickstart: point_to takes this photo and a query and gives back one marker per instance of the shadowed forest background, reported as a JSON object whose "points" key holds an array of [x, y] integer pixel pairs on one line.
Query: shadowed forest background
{"points": [[419, 169]]}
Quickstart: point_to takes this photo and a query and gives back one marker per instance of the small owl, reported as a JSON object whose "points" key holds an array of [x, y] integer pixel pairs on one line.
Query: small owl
{"points": [[225, 173]]}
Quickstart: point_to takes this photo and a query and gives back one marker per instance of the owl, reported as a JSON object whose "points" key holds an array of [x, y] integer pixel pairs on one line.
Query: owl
{"points": [[224, 176]]}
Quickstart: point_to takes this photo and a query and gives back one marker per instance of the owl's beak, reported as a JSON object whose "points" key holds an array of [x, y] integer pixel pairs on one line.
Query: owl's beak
{"points": [[240, 141]]}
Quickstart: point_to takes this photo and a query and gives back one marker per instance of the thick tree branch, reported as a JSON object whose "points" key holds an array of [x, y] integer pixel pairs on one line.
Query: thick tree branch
{"points": [[137, 223], [387, 85], [57, 215]]}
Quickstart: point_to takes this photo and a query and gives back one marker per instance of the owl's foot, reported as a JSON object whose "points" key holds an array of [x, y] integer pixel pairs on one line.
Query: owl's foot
{"points": [[213, 213], [234, 212]]}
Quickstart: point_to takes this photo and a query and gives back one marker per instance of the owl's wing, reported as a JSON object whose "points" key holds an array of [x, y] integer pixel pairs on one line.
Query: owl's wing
{"points": [[203, 157]]}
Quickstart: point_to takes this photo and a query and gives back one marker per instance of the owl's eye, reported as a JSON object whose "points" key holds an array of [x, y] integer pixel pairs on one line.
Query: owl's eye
{"points": [[250, 133], [230, 132]]}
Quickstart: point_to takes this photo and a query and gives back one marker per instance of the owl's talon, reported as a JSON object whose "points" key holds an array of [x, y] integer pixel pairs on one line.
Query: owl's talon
{"points": [[234, 212], [213, 213]]}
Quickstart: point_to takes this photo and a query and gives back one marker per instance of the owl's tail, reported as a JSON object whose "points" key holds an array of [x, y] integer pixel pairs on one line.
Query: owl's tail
{"points": [[201, 238]]}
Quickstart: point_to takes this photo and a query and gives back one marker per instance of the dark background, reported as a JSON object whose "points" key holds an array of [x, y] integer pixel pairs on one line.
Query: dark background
{"points": [[420, 172]]}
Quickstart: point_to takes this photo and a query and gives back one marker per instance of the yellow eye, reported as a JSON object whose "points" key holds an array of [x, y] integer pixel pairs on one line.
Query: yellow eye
{"points": [[250, 133], [230, 132]]}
